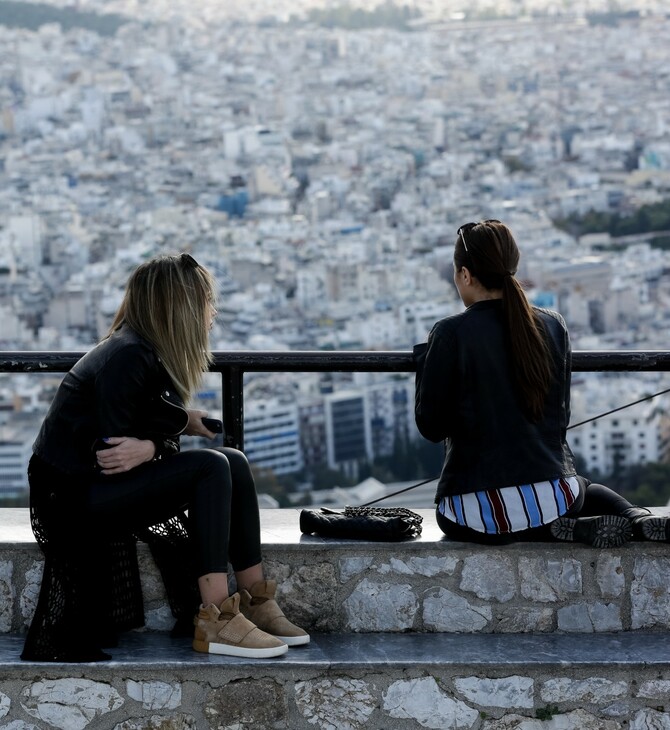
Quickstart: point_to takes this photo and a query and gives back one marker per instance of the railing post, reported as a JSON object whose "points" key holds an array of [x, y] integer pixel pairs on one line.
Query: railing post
{"points": [[232, 384]]}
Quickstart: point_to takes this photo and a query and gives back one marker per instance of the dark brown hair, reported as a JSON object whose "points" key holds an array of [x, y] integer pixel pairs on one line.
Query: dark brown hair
{"points": [[490, 253]]}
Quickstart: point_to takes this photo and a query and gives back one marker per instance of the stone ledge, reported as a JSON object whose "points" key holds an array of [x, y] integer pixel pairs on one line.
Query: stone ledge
{"points": [[428, 584], [350, 682], [279, 528], [146, 650]]}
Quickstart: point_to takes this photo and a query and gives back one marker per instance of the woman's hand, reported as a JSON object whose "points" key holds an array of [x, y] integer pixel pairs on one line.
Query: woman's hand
{"points": [[195, 425], [124, 453]]}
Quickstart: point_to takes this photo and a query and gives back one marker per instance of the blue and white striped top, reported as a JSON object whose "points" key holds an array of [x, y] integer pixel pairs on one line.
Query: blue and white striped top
{"points": [[511, 509]]}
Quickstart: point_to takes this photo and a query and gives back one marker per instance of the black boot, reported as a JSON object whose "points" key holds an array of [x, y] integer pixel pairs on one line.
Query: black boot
{"points": [[648, 526], [602, 531]]}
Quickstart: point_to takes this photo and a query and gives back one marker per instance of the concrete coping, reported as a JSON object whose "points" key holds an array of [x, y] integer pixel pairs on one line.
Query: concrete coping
{"points": [[279, 528], [156, 651]]}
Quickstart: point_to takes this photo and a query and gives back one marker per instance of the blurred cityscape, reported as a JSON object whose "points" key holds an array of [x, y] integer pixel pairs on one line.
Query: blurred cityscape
{"points": [[319, 158]]}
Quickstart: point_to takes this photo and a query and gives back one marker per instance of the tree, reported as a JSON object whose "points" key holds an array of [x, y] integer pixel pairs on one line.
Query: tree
{"points": [[645, 484], [268, 483]]}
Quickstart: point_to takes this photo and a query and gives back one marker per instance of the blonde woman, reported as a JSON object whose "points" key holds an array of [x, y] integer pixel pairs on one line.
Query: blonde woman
{"points": [[107, 465]]}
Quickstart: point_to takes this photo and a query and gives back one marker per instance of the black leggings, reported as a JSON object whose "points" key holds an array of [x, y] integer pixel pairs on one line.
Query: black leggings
{"points": [[217, 488], [593, 499]]}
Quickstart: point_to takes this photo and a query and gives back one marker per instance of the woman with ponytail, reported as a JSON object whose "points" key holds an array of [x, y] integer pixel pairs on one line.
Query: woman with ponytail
{"points": [[493, 382]]}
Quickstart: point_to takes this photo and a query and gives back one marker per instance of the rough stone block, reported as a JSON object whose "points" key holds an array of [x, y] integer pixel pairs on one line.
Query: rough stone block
{"points": [[650, 593], [548, 581], [338, 704], [69, 704], [423, 700], [510, 620], [159, 722], [593, 689], [6, 594], [298, 598], [610, 576], [489, 577], [155, 694], [508, 692], [5, 704], [430, 566], [589, 617], [655, 689], [651, 720], [159, 618], [31, 591], [349, 567], [444, 610], [616, 709], [152, 583], [247, 702], [576, 720], [381, 607]]}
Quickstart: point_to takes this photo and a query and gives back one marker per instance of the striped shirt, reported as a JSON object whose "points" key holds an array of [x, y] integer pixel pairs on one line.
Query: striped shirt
{"points": [[511, 509]]}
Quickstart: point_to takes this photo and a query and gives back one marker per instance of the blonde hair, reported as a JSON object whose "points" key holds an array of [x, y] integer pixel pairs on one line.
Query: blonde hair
{"points": [[167, 302]]}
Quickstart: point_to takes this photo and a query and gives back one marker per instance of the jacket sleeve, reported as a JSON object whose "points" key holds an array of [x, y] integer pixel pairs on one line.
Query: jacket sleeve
{"points": [[165, 447], [558, 338], [436, 386], [568, 372], [121, 388]]}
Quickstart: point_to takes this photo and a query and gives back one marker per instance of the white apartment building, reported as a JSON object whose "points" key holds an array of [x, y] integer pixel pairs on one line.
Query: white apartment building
{"points": [[14, 456], [272, 435], [631, 436]]}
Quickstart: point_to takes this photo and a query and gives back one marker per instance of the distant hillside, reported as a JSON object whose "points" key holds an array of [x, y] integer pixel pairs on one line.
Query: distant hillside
{"points": [[33, 15], [649, 218]]}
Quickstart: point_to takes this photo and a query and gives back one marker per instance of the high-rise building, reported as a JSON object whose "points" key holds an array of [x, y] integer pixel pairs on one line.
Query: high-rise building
{"points": [[348, 432], [272, 436]]}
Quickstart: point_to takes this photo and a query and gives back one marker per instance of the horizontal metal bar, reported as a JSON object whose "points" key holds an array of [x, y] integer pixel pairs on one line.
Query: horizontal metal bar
{"points": [[621, 360], [21, 361]]}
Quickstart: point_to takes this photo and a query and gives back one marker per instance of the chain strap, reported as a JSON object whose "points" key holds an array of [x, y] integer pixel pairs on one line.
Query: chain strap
{"points": [[412, 519]]}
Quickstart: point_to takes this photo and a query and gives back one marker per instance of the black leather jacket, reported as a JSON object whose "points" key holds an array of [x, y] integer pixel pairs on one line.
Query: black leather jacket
{"points": [[119, 388], [465, 396]]}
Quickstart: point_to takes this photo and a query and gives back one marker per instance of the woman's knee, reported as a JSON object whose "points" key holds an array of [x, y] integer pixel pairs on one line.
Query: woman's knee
{"points": [[239, 464], [209, 461]]}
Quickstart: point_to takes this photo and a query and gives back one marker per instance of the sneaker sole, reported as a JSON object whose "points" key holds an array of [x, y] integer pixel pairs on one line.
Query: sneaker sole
{"points": [[656, 528], [294, 640], [239, 651], [606, 531]]}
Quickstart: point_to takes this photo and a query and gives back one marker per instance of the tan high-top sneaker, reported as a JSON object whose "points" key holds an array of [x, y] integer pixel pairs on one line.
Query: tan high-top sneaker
{"points": [[225, 630], [259, 606]]}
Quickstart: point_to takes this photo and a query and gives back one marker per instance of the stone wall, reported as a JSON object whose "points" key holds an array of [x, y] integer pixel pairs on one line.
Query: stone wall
{"points": [[330, 700], [588, 630], [434, 587]]}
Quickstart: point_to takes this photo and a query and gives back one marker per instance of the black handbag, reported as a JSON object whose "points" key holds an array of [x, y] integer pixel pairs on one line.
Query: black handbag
{"points": [[362, 523]]}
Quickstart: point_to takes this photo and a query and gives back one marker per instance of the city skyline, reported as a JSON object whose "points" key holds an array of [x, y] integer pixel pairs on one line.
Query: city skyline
{"points": [[322, 174]]}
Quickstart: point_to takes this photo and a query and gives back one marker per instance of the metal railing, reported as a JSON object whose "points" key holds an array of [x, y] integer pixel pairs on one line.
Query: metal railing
{"points": [[233, 365]]}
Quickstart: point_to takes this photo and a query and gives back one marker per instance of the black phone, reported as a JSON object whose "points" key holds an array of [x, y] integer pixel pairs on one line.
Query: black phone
{"points": [[212, 424]]}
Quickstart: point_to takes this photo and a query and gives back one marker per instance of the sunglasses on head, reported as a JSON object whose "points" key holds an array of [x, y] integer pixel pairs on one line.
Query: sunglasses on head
{"points": [[188, 261], [469, 226]]}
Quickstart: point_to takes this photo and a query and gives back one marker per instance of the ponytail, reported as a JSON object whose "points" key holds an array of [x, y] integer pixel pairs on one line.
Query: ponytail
{"points": [[490, 252], [531, 359]]}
